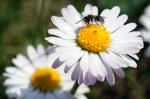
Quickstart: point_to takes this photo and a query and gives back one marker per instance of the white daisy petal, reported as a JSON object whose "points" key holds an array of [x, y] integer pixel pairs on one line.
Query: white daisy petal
{"points": [[81, 97], [145, 35], [20, 60], [86, 80], [114, 12], [67, 85], [105, 13], [126, 28], [11, 70], [57, 63], [118, 23], [130, 61], [80, 79], [69, 18], [13, 92], [94, 10], [60, 42], [12, 82], [96, 71], [11, 77], [76, 72], [135, 33], [90, 10], [145, 21], [126, 47], [14, 71], [40, 49], [87, 10], [109, 60], [33, 56], [84, 62], [134, 56], [53, 59], [101, 66], [129, 37], [91, 79], [62, 49], [121, 63], [23, 63], [43, 58], [147, 10], [66, 55], [110, 76], [60, 34], [119, 72], [74, 13], [84, 89], [62, 25], [51, 49], [74, 58], [67, 68]]}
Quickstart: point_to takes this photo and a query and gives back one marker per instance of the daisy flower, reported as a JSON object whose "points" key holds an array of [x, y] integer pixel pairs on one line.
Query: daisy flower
{"points": [[33, 78], [145, 20], [96, 47]]}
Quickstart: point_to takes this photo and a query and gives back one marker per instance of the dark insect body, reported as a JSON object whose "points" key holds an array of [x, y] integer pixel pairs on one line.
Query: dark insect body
{"points": [[91, 19]]}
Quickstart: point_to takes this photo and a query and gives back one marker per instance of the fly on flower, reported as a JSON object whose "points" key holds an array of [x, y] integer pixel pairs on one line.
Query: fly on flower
{"points": [[95, 51], [90, 19]]}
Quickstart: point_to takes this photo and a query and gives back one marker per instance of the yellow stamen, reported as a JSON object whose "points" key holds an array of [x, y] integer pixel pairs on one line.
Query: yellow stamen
{"points": [[45, 79], [93, 38]]}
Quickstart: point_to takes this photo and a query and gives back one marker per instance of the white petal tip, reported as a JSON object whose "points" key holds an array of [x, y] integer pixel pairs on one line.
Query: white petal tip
{"points": [[111, 83], [53, 18], [116, 8], [57, 63], [133, 66], [46, 38]]}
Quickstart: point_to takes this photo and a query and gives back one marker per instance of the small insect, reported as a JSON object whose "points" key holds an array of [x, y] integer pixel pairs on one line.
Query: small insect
{"points": [[91, 19]]}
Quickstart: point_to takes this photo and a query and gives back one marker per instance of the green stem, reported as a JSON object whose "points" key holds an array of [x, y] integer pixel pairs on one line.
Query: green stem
{"points": [[75, 87], [39, 16]]}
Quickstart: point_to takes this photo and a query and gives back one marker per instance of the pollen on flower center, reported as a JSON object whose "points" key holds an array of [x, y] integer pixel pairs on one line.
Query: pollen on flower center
{"points": [[93, 38], [45, 79]]}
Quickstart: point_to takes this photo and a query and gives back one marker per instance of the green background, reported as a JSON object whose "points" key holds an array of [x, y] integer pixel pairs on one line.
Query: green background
{"points": [[24, 22]]}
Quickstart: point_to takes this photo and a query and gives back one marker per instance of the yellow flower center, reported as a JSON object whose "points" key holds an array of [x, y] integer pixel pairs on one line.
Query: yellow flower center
{"points": [[93, 38], [45, 79]]}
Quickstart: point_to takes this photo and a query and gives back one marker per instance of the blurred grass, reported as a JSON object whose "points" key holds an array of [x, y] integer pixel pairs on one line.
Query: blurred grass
{"points": [[22, 22]]}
